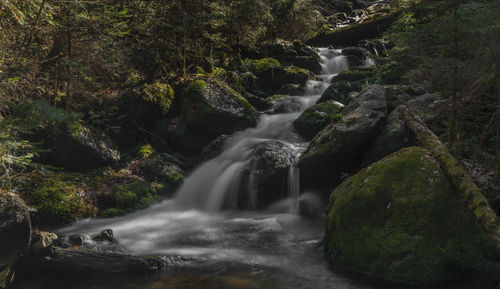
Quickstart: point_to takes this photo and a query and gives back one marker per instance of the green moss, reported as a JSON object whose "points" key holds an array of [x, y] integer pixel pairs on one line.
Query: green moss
{"points": [[261, 66], [338, 91], [161, 94], [58, 201], [127, 198], [317, 117], [356, 74], [401, 219]]}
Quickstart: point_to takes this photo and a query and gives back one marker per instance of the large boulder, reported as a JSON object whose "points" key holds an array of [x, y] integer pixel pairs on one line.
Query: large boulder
{"points": [[339, 148], [317, 117], [162, 168], [215, 108], [78, 147], [15, 234], [368, 28], [401, 219], [267, 173], [271, 75], [395, 136]]}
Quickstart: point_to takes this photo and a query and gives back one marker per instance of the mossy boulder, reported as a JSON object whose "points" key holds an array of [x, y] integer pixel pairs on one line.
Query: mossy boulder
{"points": [[15, 234], [284, 104], [338, 91], [271, 75], [395, 136], [317, 117], [368, 28], [215, 108], [127, 198], [76, 146], [161, 168], [402, 220], [146, 104], [339, 148]]}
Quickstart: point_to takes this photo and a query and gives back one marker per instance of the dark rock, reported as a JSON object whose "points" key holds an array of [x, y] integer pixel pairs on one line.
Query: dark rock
{"points": [[162, 168], [256, 101], [356, 74], [339, 148], [354, 61], [291, 89], [214, 148], [355, 51], [78, 147], [338, 92], [317, 117], [82, 262], [212, 106], [285, 104], [401, 219], [106, 235], [368, 28], [15, 234], [396, 95], [76, 240], [395, 136]]}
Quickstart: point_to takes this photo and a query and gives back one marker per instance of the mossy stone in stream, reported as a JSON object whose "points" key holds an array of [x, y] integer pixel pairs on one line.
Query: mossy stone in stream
{"points": [[338, 91], [317, 117], [401, 219]]}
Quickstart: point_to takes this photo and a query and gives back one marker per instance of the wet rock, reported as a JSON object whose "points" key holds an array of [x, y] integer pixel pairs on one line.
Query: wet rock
{"points": [[317, 117], [256, 101], [360, 52], [214, 148], [338, 91], [356, 74], [291, 89], [285, 104], [339, 148], [76, 240], [15, 234], [78, 147], [43, 241], [105, 235], [267, 173], [83, 262], [401, 219]]}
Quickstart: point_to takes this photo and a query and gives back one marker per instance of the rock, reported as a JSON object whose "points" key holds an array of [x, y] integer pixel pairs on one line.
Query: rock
{"points": [[311, 63], [83, 262], [338, 91], [256, 101], [214, 148], [43, 241], [77, 147], [291, 89], [339, 148], [162, 168], [356, 74], [355, 51], [355, 61], [106, 235], [396, 95], [426, 106], [317, 117], [15, 234], [271, 75], [368, 28], [176, 134], [284, 104], [401, 219], [76, 240], [395, 136], [267, 172], [213, 107]]}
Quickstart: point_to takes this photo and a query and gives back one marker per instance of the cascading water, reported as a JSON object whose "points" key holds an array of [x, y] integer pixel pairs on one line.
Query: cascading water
{"points": [[193, 225]]}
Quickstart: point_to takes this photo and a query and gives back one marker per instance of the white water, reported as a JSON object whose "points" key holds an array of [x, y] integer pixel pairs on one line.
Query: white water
{"points": [[193, 223]]}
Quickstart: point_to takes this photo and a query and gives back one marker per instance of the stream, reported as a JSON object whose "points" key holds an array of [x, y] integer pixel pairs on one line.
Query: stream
{"points": [[207, 243]]}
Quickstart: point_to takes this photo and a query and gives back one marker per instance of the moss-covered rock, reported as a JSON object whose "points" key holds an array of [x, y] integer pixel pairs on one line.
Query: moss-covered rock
{"points": [[317, 117], [76, 146], [212, 106], [338, 149], [127, 198], [161, 168], [15, 234], [160, 95], [271, 75], [338, 91], [401, 219], [368, 28], [395, 136]]}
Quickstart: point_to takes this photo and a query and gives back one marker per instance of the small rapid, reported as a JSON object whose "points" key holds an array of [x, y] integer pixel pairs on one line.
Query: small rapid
{"points": [[203, 224]]}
